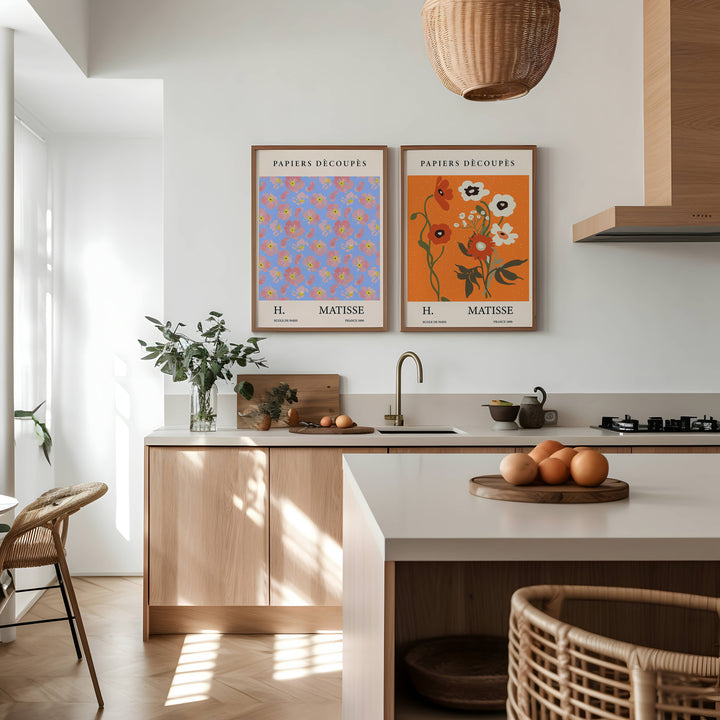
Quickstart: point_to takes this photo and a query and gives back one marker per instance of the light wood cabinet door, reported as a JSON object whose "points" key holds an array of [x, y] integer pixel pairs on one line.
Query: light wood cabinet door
{"points": [[306, 525], [207, 526]]}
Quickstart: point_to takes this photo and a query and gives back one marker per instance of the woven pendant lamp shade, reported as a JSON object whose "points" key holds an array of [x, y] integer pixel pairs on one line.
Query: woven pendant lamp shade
{"points": [[490, 49]]}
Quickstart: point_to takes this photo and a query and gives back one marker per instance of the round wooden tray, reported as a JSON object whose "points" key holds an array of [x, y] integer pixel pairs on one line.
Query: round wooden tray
{"points": [[467, 672], [496, 488]]}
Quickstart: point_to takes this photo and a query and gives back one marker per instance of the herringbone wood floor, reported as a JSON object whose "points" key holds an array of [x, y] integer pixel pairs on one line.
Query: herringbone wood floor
{"points": [[218, 677]]}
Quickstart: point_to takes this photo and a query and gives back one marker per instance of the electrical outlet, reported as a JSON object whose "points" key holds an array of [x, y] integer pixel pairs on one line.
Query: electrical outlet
{"points": [[551, 417]]}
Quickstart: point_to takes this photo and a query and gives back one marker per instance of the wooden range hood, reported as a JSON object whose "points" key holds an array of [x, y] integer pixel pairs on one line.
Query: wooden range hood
{"points": [[682, 130]]}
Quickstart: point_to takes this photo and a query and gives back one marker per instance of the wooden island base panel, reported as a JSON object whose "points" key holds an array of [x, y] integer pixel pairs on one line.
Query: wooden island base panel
{"points": [[244, 620], [424, 558]]}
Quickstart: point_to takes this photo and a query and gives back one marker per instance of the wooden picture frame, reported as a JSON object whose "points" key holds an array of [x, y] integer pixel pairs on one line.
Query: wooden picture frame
{"points": [[468, 230], [319, 219]]}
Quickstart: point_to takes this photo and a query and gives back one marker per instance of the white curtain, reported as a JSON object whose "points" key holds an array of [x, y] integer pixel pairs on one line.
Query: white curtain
{"points": [[33, 271], [32, 328]]}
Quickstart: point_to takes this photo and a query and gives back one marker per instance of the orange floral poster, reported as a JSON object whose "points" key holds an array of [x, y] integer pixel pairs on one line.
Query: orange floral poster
{"points": [[468, 238]]}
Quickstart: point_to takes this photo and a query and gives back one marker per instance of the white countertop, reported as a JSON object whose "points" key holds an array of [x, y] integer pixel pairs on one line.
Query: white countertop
{"points": [[424, 511], [468, 437]]}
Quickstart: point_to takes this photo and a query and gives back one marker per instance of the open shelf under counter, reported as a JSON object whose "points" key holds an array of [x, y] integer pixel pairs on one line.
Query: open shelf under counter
{"points": [[410, 706]]}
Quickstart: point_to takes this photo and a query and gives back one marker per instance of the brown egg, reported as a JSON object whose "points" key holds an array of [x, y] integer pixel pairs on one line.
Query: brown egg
{"points": [[553, 471], [265, 422], [518, 469], [538, 455], [344, 421], [589, 468], [566, 454], [326, 421], [293, 417], [549, 446]]}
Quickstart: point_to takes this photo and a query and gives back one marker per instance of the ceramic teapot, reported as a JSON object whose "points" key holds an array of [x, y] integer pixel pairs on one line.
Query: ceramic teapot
{"points": [[531, 413]]}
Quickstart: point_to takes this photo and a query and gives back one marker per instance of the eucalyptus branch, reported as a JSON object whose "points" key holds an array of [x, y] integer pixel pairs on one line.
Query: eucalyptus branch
{"points": [[203, 360]]}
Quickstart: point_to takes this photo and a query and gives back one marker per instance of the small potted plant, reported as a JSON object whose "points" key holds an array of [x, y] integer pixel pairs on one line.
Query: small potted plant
{"points": [[202, 361], [270, 408]]}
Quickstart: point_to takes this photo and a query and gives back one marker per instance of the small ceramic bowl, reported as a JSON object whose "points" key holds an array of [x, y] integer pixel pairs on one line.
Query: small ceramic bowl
{"points": [[504, 413], [504, 416]]}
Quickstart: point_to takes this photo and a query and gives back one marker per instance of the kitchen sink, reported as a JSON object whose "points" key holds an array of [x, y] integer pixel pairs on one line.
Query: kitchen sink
{"points": [[419, 430]]}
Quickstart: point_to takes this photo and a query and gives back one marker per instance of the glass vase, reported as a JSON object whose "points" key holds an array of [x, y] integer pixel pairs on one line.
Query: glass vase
{"points": [[203, 409]]}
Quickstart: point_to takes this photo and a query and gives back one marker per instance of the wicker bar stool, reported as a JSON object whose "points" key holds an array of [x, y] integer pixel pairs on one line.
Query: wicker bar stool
{"points": [[558, 671], [37, 538]]}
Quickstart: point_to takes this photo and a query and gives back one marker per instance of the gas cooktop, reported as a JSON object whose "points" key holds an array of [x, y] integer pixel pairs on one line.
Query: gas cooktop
{"points": [[656, 424]]}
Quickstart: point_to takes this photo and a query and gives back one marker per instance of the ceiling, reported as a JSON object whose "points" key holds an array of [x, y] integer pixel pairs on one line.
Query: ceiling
{"points": [[57, 95]]}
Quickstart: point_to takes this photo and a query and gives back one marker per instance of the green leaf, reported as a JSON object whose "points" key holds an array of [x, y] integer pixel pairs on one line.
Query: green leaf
{"points": [[23, 414], [413, 216], [468, 288], [215, 313], [153, 320], [444, 299], [463, 249], [514, 263], [142, 343], [508, 275], [4, 527], [423, 245]]}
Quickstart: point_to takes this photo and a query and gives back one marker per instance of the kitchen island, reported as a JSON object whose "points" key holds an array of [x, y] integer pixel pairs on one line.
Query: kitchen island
{"points": [[423, 557]]}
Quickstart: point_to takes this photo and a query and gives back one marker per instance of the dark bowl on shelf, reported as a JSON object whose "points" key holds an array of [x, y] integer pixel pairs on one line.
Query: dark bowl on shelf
{"points": [[466, 672], [504, 413]]}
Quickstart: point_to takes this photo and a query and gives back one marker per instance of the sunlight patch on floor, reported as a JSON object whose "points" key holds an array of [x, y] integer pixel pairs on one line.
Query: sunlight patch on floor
{"points": [[297, 656], [195, 669]]}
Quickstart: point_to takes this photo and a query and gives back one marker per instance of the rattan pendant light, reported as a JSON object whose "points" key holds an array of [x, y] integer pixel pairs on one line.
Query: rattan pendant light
{"points": [[490, 49]]}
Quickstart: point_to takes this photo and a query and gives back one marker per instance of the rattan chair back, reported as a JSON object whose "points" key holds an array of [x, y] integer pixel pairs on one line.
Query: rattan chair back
{"points": [[561, 672], [29, 542]]}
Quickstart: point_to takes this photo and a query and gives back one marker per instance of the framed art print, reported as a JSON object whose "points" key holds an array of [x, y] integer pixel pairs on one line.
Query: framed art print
{"points": [[468, 226], [319, 228]]}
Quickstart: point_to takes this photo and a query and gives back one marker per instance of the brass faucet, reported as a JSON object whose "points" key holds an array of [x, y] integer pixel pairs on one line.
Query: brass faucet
{"points": [[397, 418]]}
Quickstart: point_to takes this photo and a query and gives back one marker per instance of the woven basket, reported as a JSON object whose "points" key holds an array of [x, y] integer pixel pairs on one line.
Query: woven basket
{"points": [[559, 671], [490, 49]]}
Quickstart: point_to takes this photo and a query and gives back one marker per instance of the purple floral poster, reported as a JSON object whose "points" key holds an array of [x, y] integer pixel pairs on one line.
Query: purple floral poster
{"points": [[319, 238]]}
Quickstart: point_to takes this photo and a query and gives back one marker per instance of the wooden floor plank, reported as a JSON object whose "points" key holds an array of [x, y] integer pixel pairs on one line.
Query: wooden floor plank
{"points": [[223, 677]]}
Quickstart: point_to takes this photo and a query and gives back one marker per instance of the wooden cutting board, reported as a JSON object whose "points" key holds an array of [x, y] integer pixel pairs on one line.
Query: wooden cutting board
{"points": [[356, 430], [318, 395], [496, 488]]}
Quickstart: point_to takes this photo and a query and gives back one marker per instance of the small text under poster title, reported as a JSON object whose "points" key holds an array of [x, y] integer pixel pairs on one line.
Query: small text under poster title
{"points": [[324, 162]]}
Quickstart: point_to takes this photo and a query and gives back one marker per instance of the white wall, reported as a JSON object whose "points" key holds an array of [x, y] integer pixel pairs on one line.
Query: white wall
{"points": [[339, 71], [69, 23], [108, 259]]}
